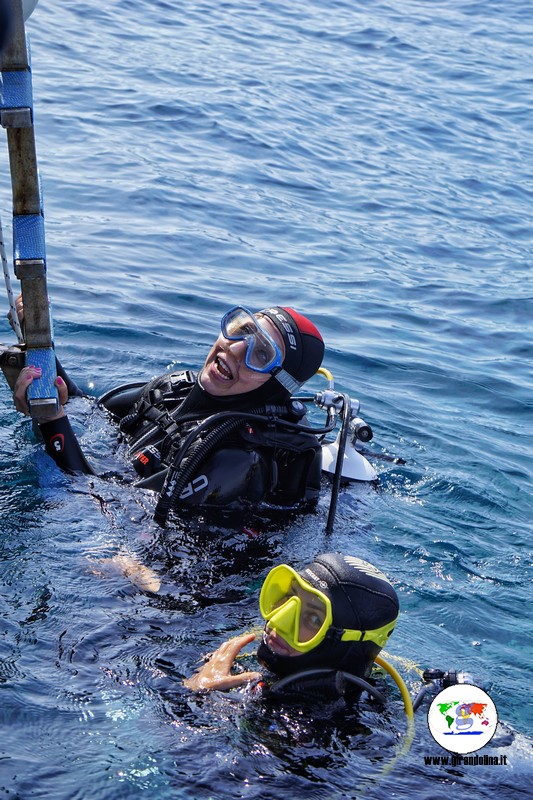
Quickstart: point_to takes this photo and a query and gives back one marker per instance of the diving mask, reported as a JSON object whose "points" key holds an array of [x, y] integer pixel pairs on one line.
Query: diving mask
{"points": [[262, 353], [302, 615]]}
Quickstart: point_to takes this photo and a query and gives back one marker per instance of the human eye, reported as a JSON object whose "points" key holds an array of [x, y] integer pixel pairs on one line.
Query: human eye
{"points": [[313, 620], [262, 356]]}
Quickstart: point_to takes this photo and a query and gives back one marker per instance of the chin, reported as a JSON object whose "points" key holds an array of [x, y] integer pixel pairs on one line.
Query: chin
{"points": [[213, 386]]}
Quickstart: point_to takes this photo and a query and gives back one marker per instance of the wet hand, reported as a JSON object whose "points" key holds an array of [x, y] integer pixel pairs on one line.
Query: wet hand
{"points": [[216, 673], [25, 379]]}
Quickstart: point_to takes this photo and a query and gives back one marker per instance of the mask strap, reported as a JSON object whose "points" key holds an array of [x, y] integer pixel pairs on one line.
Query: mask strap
{"points": [[286, 380], [377, 636]]}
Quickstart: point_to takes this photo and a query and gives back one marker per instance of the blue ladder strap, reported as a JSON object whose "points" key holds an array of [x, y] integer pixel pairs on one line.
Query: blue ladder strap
{"points": [[28, 238], [42, 393], [16, 89]]}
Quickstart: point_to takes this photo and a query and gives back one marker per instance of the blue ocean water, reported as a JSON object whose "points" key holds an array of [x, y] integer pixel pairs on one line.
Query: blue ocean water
{"points": [[371, 165]]}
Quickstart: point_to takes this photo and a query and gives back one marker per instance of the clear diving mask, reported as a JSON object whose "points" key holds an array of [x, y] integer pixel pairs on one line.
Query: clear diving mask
{"points": [[262, 353]]}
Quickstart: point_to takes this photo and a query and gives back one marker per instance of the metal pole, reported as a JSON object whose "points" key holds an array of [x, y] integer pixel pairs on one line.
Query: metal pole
{"points": [[29, 255]]}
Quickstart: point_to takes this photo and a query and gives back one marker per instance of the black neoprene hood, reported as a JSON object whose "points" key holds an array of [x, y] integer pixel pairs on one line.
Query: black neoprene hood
{"points": [[304, 346], [361, 596], [362, 599]]}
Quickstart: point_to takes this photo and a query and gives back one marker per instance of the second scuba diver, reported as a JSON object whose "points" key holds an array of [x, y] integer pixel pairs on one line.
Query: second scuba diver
{"points": [[226, 437], [326, 621]]}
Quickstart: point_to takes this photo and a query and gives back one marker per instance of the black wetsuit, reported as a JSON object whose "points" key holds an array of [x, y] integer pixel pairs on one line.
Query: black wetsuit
{"points": [[233, 461]]}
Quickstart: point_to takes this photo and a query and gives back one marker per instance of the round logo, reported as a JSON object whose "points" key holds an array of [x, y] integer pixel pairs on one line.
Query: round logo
{"points": [[462, 718]]}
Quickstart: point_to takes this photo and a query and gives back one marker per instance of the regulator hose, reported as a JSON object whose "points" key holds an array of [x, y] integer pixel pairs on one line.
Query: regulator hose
{"points": [[102, 400], [268, 414], [178, 475], [282, 684], [417, 702]]}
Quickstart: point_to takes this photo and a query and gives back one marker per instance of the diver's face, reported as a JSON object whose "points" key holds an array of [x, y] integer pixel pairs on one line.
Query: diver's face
{"points": [[225, 372], [312, 616]]}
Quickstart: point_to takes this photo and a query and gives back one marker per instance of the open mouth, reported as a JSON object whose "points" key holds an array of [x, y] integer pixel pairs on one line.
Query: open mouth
{"points": [[223, 369]]}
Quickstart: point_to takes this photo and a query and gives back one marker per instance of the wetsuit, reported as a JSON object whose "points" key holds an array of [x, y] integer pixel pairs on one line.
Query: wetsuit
{"points": [[234, 461], [60, 440]]}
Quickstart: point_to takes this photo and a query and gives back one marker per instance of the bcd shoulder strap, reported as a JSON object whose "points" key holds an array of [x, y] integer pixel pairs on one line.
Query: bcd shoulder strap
{"points": [[159, 397]]}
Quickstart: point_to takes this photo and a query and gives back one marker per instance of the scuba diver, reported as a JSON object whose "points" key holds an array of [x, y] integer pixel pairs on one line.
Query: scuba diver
{"points": [[227, 437], [324, 628]]}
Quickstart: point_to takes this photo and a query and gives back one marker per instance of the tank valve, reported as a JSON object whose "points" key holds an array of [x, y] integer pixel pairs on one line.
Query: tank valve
{"points": [[361, 430], [435, 680]]}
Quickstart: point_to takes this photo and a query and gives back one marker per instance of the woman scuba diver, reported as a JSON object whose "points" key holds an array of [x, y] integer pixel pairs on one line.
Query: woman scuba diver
{"points": [[324, 628], [227, 437]]}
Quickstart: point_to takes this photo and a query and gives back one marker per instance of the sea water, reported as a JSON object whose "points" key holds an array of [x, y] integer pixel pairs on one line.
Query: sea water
{"points": [[370, 165]]}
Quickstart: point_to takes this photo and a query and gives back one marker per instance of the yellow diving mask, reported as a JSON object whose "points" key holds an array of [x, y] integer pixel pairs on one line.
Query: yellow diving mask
{"points": [[296, 610], [302, 615]]}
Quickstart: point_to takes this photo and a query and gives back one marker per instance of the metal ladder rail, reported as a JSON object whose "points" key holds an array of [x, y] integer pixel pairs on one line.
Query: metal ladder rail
{"points": [[29, 254]]}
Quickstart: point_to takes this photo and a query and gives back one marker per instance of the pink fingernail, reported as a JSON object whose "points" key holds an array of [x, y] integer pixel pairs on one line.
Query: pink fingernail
{"points": [[60, 380]]}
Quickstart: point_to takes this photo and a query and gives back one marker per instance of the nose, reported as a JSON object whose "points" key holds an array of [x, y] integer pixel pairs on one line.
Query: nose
{"points": [[238, 350]]}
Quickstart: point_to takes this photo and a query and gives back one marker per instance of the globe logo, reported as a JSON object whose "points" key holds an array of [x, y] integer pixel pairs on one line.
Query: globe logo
{"points": [[462, 718]]}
